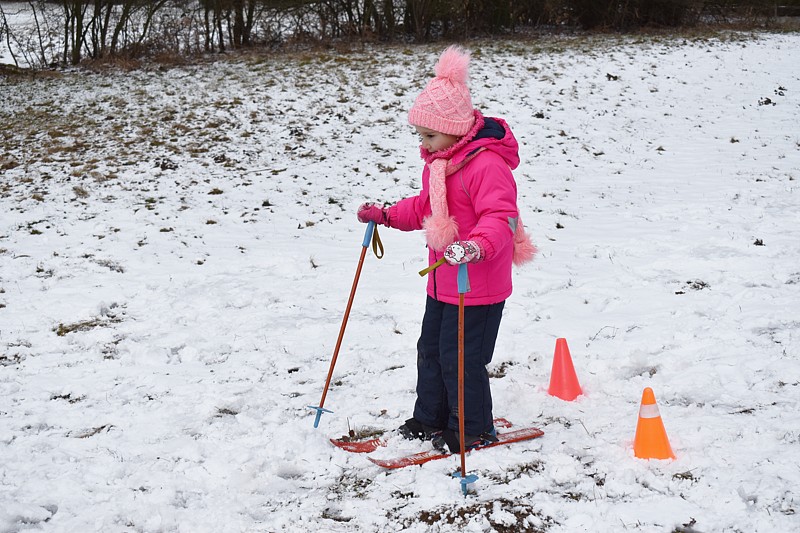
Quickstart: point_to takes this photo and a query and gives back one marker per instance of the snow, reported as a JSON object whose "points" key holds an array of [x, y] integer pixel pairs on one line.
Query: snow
{"points": [[190, 233]]}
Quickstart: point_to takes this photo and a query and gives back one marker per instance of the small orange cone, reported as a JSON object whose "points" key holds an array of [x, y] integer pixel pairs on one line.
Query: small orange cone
{"points": [[651, 440], [563, 380]]}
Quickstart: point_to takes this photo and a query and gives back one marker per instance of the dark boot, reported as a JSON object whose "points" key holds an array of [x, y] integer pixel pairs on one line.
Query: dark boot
{"points": [[449, 440], [414, 429]]}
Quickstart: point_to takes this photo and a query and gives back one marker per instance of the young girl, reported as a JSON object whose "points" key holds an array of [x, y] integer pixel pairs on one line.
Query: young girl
{"points": [[468, 209]]}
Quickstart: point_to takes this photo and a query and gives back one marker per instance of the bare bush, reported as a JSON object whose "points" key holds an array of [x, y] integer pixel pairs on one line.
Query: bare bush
{"points": [[64, 32]]}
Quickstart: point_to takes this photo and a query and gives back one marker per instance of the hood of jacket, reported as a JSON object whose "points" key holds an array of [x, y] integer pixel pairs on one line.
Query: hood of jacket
{"points": [[490, 133]]}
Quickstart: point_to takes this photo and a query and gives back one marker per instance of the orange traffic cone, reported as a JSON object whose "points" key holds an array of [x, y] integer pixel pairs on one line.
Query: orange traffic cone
{"points": [[563, 380], [651, 440]]}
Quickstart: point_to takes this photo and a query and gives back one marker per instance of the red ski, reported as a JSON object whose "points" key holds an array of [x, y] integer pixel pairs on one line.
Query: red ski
{"points": [[370, 445], [432, 455]]}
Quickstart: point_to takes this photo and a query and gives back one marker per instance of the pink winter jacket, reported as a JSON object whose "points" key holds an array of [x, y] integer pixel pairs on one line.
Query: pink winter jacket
{"points": [[482, 196]]}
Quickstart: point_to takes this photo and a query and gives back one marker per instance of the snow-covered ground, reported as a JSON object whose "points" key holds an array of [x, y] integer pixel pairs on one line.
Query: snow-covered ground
{"points": [[177, 247]]}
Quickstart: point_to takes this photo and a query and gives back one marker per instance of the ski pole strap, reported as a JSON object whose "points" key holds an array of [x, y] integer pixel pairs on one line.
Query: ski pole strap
{"points": [[377, 244], [372, 234], [425, 271]]}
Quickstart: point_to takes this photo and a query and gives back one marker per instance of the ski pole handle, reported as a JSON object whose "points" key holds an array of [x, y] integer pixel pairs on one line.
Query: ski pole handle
{"points": [[463, 279], [368, 233], [372, 234]]}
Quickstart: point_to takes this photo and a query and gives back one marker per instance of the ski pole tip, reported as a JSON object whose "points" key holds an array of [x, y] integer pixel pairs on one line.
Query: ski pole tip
{"points": [[465, 481], [319, 411]]}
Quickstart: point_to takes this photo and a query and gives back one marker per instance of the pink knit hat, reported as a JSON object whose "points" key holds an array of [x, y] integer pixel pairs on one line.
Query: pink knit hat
{"points": [[445, 105]]}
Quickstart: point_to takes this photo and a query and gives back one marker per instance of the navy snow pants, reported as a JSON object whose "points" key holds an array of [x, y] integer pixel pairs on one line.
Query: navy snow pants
{"points": [[437, 366]]}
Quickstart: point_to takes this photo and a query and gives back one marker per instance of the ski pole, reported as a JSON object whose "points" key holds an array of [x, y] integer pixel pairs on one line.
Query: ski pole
{"points": [[463, 287], [370, 234]]}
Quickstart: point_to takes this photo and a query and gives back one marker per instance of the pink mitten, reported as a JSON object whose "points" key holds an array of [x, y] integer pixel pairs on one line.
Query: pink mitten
{"points": [[461, 252], [370, 212]]}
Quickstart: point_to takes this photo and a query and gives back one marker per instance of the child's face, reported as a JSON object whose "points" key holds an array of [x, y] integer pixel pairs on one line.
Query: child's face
{"points": [[434, 141]]}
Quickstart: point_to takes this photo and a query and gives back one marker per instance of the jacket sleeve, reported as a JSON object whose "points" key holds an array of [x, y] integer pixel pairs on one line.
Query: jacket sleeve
{"points": [[493, 191]]}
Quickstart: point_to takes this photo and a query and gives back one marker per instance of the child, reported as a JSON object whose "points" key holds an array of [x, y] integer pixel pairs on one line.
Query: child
{"points": [[468, 209]]}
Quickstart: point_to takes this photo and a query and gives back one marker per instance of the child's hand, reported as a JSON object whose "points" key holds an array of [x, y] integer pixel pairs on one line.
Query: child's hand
{"points": [[461, 252], [370, 212]]}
